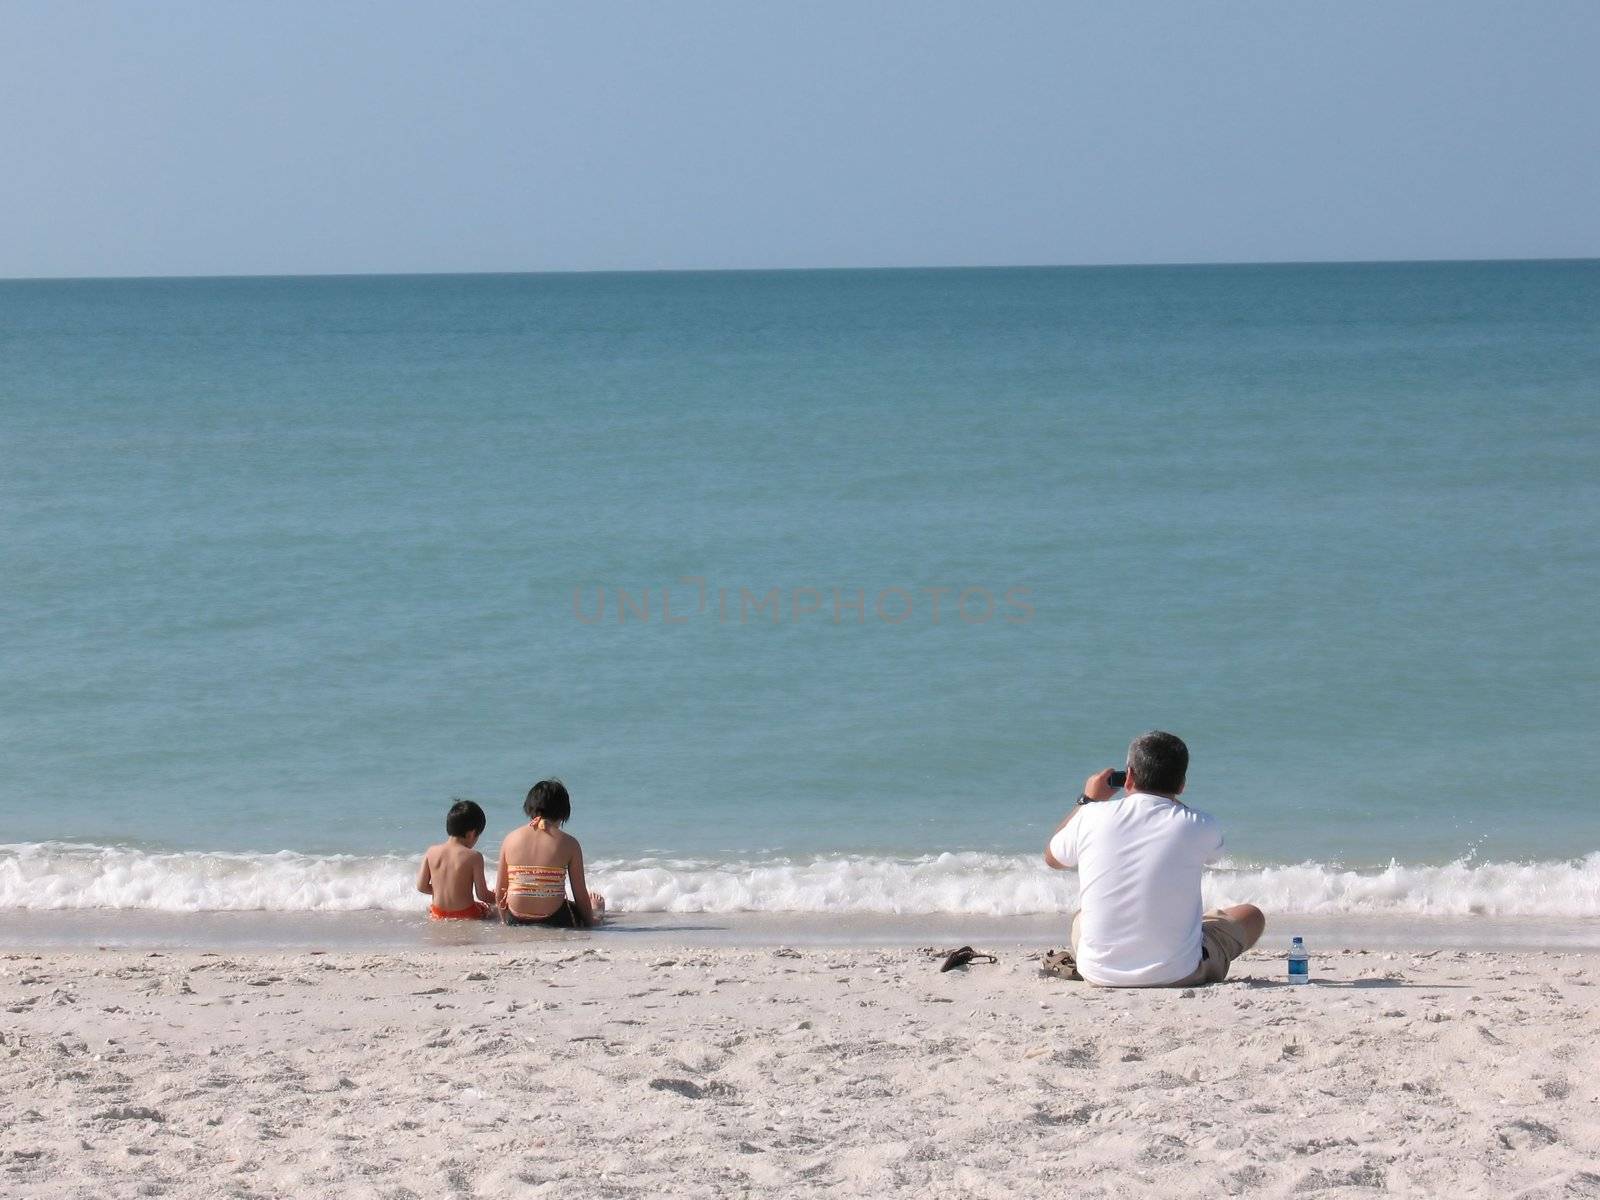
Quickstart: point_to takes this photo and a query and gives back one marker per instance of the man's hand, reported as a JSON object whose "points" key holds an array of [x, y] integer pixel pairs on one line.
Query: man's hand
{"points": [[1098, 786]]}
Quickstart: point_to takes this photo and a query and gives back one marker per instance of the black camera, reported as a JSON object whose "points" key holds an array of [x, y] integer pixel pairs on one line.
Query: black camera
{"points": [[1118, 778]]}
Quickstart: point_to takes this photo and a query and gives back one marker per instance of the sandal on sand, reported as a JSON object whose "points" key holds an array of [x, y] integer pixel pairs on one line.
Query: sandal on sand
{"points": [[963, 956], [1061, 964]]}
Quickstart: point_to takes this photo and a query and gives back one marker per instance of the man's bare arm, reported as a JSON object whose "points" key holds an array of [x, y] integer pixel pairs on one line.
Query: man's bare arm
{"points": [[425, 877], [1096, 787]]}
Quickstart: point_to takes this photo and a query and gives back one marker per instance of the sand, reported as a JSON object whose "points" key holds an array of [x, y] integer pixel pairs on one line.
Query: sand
{"points": [[573, 1067]]}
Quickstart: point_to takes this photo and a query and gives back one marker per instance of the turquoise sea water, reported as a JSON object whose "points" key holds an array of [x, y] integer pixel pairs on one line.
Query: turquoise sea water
{"points": [[288, 563]]}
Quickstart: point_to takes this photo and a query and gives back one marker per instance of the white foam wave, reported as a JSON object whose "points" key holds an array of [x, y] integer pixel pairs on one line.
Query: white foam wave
{"points": [[57, 875], [66, 876], [1017, 885]]}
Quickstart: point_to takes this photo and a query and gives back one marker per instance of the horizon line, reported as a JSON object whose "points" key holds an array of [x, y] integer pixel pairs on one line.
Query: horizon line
{"points": [[1083, 266]]}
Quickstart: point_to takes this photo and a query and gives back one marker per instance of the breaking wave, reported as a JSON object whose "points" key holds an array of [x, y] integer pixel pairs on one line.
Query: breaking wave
{"points": [[55, 875]]}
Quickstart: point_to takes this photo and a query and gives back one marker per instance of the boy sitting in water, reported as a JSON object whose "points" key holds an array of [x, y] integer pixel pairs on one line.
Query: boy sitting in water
{"points": [[452, 871]]}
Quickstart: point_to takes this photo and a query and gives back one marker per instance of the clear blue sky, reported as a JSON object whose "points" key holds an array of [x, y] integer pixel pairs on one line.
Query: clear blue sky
{"points": [[241, 138]]}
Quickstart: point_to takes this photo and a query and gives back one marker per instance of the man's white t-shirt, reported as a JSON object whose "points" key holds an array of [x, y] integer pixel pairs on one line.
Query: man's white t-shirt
{"points": [[1139, 859]]}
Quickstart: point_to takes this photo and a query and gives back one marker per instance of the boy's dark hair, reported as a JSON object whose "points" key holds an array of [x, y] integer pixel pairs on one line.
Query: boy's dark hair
{"points": [[548, 799], [463, 818], [1159, 762]]}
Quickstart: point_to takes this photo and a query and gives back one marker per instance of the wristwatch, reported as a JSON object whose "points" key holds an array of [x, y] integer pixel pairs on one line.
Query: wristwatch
{"points": [[1082, 800]]}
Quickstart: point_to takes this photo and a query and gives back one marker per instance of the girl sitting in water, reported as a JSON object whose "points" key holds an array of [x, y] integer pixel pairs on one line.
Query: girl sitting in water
{"points": [[537, 860]]}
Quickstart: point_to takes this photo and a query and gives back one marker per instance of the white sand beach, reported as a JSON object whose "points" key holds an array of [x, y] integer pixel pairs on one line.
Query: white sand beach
{"points": [[576, 1068]]}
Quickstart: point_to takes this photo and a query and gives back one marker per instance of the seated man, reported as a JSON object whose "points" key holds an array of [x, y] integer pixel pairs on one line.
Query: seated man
{"points": [[1138, 858]]}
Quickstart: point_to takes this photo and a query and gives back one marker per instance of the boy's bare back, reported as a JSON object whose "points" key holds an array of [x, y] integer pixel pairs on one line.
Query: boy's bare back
{"points": [[454, 876]]}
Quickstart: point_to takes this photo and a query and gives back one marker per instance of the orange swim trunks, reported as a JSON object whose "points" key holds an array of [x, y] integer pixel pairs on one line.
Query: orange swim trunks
{"points": [[476, 911]]}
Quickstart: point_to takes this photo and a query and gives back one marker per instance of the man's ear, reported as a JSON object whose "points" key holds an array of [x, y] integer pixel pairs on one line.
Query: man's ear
{"points": [[1130, 785], [1181, 786]]}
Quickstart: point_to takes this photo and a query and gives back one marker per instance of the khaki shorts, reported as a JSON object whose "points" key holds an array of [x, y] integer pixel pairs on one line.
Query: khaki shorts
{"points": [[1222, 939]]}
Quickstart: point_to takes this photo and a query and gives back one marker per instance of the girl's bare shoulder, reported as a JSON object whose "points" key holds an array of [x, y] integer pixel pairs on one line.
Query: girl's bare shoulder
{"points": [[516, 839]]}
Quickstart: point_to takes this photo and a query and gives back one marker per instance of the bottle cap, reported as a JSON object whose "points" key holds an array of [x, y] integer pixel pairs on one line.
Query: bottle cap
{"points": [[1298, 940]]}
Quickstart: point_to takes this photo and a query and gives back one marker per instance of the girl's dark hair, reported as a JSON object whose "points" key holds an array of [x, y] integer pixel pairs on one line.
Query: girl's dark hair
{"points": [[548, 799]]}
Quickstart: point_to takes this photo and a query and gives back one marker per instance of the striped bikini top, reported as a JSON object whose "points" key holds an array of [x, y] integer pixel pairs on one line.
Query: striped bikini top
{"points": [[537, 883]]}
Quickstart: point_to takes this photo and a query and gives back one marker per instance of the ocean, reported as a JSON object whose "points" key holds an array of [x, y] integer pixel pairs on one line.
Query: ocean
{"points": [[822, 590]]}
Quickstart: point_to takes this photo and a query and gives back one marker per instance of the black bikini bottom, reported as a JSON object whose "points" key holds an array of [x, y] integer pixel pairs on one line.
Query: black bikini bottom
{"points": [[565, 917]]}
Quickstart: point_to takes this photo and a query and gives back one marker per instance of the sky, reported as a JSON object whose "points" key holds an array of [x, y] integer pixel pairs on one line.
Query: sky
{"points": [[294, 137]]}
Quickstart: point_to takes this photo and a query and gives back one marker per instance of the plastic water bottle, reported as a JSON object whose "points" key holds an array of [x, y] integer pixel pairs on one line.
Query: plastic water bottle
{"points": [[1299, 964]]}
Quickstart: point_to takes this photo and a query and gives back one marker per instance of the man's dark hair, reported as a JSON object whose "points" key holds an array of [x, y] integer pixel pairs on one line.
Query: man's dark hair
{"points": [[463, 818], [1159, 762], [548, 799]]}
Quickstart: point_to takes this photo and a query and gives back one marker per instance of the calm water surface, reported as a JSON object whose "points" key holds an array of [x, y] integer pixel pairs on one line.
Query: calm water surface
{"points": [[288, 563]]}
